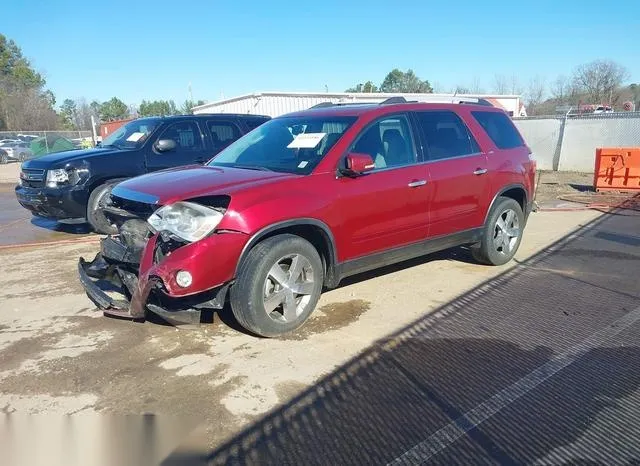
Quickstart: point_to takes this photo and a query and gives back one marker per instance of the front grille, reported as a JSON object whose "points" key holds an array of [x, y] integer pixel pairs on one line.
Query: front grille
{"points": [[32, 177], [139, 209]]}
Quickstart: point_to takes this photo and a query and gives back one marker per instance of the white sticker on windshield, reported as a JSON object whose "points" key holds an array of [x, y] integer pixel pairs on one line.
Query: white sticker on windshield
{"points": [[303, 164], [306, 140], [135, 137]]}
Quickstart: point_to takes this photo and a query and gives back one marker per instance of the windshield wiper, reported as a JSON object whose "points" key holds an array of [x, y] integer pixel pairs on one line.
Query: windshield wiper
{"points": [[252, 167]]}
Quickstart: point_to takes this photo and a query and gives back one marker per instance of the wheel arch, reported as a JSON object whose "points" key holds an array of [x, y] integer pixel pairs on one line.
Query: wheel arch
{"points": [[516, 192], [314, 231]]}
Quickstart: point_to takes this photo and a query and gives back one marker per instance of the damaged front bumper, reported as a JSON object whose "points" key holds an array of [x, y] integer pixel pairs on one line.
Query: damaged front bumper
{"points": [[128, 271]]}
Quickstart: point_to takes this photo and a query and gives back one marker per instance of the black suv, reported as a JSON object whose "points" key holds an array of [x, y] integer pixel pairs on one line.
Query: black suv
{"points": [[71, 186]]}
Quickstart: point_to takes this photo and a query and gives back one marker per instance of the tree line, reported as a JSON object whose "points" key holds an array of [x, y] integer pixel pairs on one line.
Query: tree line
{"points": [[76, 114], [600, 82]]}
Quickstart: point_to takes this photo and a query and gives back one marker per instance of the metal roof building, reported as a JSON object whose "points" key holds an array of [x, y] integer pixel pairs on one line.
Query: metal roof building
{"points": [[278, 103]]}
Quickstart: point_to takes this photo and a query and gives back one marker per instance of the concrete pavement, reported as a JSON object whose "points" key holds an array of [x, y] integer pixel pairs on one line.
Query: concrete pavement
{"points": [[57, 355]]}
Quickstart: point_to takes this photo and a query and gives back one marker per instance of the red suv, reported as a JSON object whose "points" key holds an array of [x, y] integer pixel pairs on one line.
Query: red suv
{"points": [[309, 198]]}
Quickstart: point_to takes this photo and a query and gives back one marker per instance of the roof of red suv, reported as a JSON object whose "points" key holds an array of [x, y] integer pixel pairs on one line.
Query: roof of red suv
{"points": [[360, 109]]}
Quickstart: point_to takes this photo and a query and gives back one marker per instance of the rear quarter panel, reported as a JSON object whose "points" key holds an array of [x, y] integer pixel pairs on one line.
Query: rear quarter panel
{"points": [[510, 167]]}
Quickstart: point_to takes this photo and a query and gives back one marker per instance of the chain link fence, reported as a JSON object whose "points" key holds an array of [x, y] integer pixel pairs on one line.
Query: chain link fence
{"points": [[25, 145], [23, 135], [569, 142]]}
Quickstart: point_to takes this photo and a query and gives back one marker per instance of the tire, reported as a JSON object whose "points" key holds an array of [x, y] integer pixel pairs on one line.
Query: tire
{"points": [[259, 299], [98, 221], [496, 248], [22, 157], [3, 158]]}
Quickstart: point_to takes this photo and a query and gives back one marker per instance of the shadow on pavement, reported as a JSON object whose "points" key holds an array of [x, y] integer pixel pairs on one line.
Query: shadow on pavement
{"points": [[539, 365], [54, 226]]}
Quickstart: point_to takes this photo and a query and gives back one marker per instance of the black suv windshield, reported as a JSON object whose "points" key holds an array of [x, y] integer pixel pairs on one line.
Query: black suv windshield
{"points": [[132, 135], [287, 144]]}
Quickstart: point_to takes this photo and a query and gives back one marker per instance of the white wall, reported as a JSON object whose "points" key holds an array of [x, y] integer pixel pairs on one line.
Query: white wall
{"points": [[542, 137], [582, 137], [273, 104]]}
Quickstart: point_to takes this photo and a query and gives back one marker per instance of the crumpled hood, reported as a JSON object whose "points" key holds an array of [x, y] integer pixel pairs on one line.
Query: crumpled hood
{"points": [[176, 184], [60, 159]]}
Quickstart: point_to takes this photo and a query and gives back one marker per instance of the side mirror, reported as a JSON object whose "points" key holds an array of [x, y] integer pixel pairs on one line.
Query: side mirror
{"points": [[165, 145], [358, 164]]}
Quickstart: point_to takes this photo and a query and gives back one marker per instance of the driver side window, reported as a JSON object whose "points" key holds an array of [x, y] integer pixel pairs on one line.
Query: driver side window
{"points": [[388, 142], [185, 134]]}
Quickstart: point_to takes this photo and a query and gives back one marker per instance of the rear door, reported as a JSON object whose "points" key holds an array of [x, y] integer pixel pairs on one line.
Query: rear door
{"points": [[458, 173], [190, 147], [387, 207]]}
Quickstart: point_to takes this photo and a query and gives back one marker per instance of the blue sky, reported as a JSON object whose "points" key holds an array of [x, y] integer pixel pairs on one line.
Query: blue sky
{"points": [[153, 49]]}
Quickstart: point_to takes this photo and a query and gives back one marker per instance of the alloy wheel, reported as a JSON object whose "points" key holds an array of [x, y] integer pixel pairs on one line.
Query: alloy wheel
{"points": [[506, 232], [288, 288]]}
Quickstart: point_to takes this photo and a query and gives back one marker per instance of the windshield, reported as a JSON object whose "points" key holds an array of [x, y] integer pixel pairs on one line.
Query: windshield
{"points": [[292, 145], [132, 135]]}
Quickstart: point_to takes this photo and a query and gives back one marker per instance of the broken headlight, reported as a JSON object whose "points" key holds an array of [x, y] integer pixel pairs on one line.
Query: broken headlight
{"points": [[186, 220], [63, 176], [57, 177]]}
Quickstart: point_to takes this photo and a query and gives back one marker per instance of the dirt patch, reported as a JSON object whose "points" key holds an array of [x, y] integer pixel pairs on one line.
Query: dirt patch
{"points": [[578, 188], [552, 185], [287, 390], [123, 366], [611, 200], [331, 316]]}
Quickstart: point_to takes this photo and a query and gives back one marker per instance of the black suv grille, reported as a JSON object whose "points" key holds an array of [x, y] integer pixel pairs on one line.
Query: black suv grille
{"points": [[32, 177]]}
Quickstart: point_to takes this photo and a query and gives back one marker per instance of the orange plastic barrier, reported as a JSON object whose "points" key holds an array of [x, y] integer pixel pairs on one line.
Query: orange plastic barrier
{"points": [[617, 169]]}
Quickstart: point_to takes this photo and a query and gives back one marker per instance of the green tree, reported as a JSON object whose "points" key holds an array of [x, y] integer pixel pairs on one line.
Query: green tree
{"points": [[399, 81], [366, 87], [114, 109], [157, 108], [187, 106], [68, 114], [24, 103]]}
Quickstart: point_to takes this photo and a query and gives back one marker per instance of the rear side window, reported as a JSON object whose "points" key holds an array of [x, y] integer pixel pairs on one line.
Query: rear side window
{"points": [[222, 133], [500, 129], [253, 123], [445, 135]]}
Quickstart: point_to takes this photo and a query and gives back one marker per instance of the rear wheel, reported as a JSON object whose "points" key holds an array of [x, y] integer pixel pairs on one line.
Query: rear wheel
{"points": [[278, 285], [502, 233], [22, 157], [4, 158], [95, 215]]}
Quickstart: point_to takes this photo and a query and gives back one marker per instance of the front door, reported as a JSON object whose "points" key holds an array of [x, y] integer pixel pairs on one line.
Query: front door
{"points": [[189, 146], [387, 207], [458, 179]]}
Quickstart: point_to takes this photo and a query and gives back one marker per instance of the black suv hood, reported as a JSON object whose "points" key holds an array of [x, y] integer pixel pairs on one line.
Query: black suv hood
{"points": [[60, 159]]}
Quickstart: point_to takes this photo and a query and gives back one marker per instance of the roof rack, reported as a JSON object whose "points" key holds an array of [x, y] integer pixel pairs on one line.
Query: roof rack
{"points": [[438, 100], [423, 99], [394, 100], [337, 104]]}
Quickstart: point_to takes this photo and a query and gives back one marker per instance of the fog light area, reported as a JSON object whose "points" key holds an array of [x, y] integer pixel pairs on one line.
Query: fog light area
{"points": [[183, 278]]}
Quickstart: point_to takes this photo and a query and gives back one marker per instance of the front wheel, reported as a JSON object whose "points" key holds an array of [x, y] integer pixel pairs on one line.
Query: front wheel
{"points": [[502, 233], [278, 285], [4, 158], [95, 215]]}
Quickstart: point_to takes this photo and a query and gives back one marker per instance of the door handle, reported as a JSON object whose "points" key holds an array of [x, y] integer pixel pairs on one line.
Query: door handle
{"points": [[416, 183], [480, 171]]}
